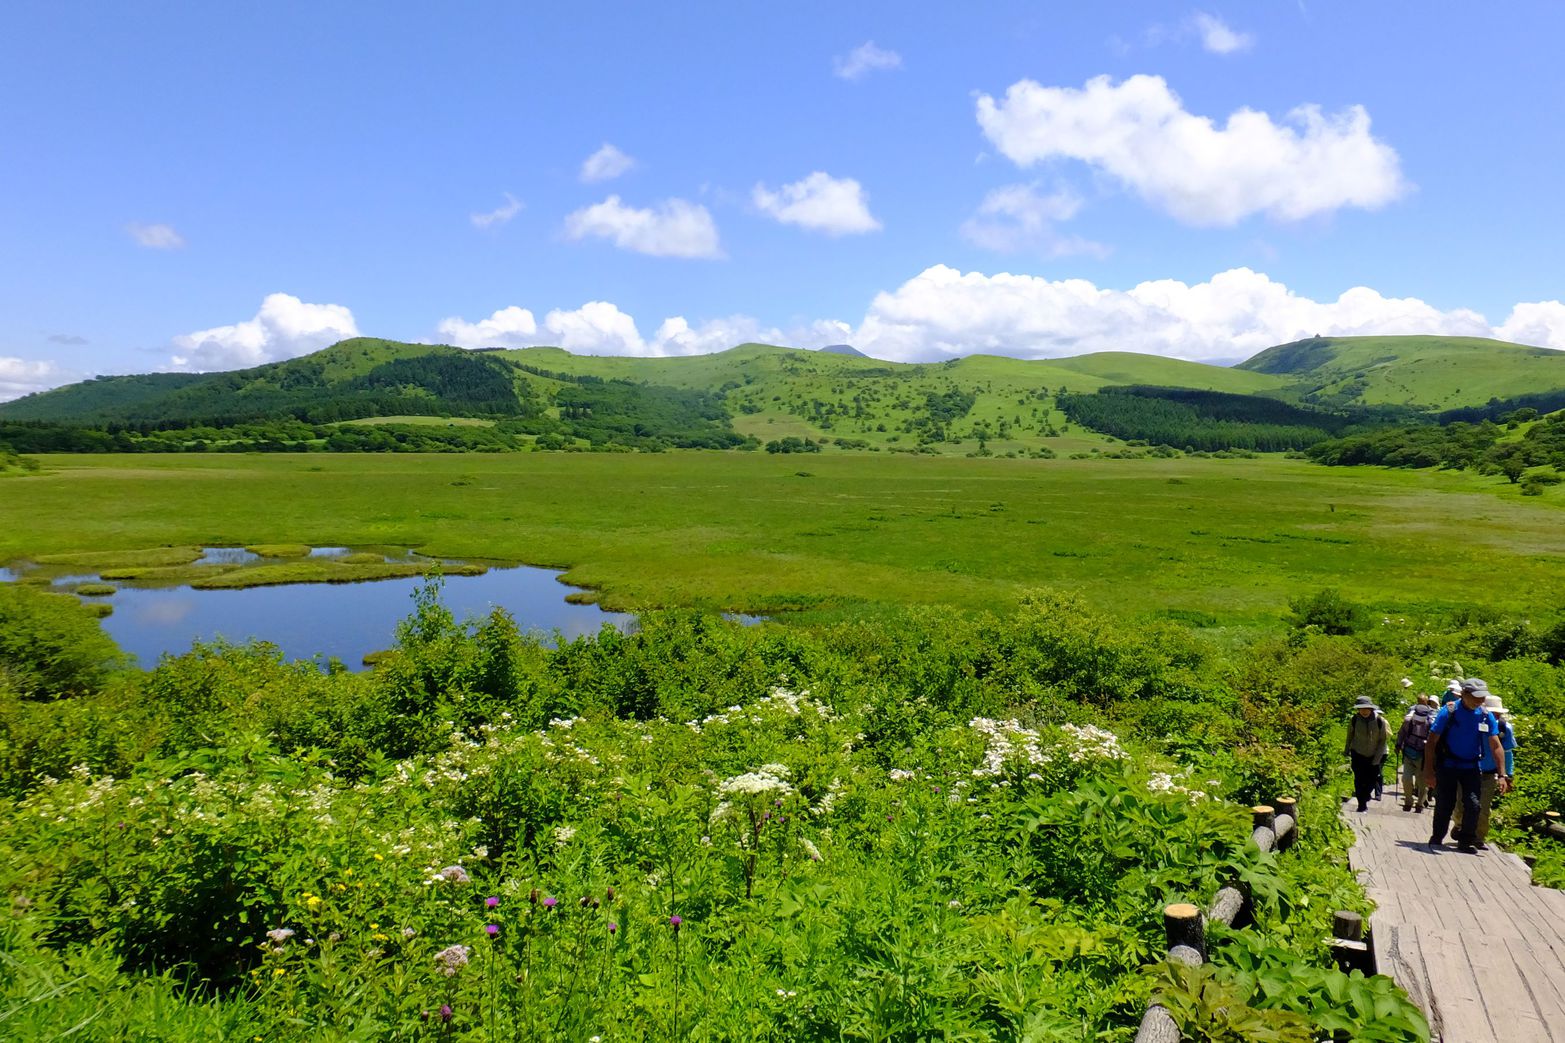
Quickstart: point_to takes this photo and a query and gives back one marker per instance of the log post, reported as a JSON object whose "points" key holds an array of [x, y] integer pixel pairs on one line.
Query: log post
{"points": [[1185, 927], [1286, 821], [1349, 947], [1264, 837], [1158, 1026], [1553, 825], [1227, 906]]}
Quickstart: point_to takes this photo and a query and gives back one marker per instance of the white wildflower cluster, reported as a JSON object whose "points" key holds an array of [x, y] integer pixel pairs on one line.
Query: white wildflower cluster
{"points": [[777, 698], [1006, 743], [829, 800], [279, 937], [451, 959], [770, 781], [1088, 743], [810, 849], [902, 774], [451, 875], [771, 778], [1010, 748], [564, 835], [1162, 782]]}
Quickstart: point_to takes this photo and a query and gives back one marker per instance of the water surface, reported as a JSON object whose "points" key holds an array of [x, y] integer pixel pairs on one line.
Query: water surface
{"points": [[341, 620]]}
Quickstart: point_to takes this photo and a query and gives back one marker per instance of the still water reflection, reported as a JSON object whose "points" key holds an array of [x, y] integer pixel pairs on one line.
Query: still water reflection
{"points": [[345, 620]]}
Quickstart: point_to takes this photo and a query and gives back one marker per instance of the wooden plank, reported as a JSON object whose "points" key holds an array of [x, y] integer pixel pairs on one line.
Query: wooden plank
{"points": [[1507, 997], [1469, 938], [1453, 986], [1544, 984]]}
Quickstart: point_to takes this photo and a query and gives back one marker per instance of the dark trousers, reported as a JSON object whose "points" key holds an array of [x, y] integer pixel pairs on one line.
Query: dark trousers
{"points": [[1448, 781], [1366, 772]]}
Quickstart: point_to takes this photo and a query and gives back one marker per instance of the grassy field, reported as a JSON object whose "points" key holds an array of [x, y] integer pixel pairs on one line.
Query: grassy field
{"points": [[839, 534]]}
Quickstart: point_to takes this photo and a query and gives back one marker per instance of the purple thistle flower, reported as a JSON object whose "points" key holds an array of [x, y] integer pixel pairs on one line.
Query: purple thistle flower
{"points": [[613, 927], [550, 902], [445, 1012], [675, 921], [492, 930], [491, 902]]}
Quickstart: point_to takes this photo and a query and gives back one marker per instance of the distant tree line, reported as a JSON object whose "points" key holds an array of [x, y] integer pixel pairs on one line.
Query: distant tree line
{"points": [[1200, 420], [1485, 447]]}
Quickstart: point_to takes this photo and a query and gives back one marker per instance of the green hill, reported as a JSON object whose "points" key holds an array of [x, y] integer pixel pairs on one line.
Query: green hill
{"points": [[1425, 373], [753, 393]]}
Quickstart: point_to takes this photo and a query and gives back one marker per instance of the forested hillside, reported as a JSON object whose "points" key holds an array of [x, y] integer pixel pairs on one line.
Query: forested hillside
{"points": [[758, 396]]}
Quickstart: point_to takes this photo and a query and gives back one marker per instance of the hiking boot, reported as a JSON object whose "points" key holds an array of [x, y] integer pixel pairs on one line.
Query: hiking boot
{"points": [[1435, 845], [1481, 846], [1418, 809], [1467, 849]]}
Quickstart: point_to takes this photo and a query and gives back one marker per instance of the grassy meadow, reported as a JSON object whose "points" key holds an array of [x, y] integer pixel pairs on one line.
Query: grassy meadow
{"points": [[838, 534]]}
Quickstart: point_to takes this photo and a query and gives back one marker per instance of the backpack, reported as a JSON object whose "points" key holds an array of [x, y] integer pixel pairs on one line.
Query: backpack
{"points": [[1418, 732]]}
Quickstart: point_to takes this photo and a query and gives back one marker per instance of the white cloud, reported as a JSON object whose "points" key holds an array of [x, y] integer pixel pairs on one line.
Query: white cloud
{"points": [[284, 328], [821, 203], [596, 328], [863, 60], [498, 216], [1538, 322], [1217, 37], [1020, 217], [942, 313], [677, 228], [155, 237], [20, 377], [511, 327], [1138, 132], [606, 164]]}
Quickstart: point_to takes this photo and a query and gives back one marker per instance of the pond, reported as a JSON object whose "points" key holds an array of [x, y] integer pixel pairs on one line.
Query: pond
{"points": [[342, 620]]}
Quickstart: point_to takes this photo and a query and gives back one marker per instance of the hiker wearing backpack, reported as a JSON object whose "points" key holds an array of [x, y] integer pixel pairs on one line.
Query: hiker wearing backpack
{"points": [[1412, 738], [1457, 740], [1492, 772], [1366, 748]]}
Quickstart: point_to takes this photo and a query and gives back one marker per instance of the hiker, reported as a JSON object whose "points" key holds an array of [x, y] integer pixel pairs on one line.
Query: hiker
{"points": [[1412, 737], [1366, 747], [1452, 759], [1492, 772]]}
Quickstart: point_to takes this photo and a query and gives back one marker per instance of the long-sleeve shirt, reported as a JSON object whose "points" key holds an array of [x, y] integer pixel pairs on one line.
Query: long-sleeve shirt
{"points": [[1367, 736]]}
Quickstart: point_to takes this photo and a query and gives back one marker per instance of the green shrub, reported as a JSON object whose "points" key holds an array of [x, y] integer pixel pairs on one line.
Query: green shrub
{"points": [[51, 645]]}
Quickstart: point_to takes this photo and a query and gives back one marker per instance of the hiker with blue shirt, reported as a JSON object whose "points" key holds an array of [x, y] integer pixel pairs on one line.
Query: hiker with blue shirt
{"points": [[1491, 772], [1453, 760]]}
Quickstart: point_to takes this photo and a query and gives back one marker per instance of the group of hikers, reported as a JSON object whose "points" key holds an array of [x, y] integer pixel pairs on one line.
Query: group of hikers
{"points": [[1463, 750]]}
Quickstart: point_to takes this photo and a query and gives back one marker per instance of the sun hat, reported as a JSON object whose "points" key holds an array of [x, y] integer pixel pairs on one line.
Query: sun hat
{"points": [[1364, 702], [1493, 704], [1455, 688], [1407, 682]]}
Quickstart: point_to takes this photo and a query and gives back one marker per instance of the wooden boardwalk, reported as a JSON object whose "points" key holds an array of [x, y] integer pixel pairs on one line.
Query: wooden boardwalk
{"points": [[1475, 945]]}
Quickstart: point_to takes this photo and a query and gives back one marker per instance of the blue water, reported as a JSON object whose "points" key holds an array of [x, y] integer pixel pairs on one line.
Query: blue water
{"points": [[341, 620], [345, 620]]}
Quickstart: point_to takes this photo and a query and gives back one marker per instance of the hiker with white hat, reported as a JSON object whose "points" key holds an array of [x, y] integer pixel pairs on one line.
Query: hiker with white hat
{"points": [[1366, 747], [1491, 771], [1458, 739]]}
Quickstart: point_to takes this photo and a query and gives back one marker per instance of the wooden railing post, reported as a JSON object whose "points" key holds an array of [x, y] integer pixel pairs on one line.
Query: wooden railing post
{"points": [[1349, 947], [1264, 837], [1286, 821], [1185, 928], [1275, 827]]}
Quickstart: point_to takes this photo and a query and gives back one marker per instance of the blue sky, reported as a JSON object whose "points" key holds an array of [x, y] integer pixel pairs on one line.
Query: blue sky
{"points": [[214, 185]]}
